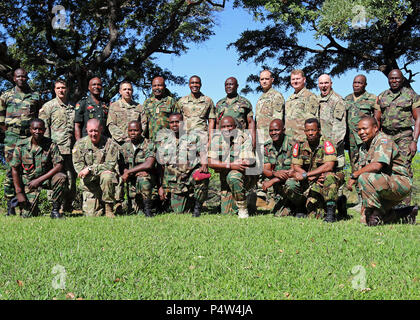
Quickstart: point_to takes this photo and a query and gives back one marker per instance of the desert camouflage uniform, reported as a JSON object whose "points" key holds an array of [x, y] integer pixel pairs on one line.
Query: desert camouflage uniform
{"points": [[312, 195], [392, 184], [120, 114], [155, 115], [397, 119], [33, 163], [196, 112], [140, 187], [239, 108], [181, 158], [357, 107], [234, 184], [59, 126], [98, 186], [269, 106], [299, 107], [279, 159], [87, 109], [332, 116], [16, 111]]}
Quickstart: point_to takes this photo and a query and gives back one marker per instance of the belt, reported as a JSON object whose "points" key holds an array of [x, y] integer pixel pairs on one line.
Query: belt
{"points": [[395, 131]]}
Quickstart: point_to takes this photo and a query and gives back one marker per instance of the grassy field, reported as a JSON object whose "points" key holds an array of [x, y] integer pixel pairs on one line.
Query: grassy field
{"points": [[213, 257]]}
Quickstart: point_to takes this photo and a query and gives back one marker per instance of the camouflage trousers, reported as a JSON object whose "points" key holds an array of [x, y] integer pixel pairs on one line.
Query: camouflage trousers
{"points": [[139, 188], [234, 186], [10, 142], [383, 191], [98, 190], [57, 184], [184, 202], [403, 139], [283, 206], [316, 194]]}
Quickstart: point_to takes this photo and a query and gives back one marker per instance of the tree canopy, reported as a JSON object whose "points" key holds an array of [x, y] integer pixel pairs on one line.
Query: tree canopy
{"points": [[113, 39], [350, 34]]}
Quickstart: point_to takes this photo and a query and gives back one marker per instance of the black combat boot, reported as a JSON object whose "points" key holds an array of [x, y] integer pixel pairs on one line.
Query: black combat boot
{"points": [[197, 209], [55, 212], [11, 204], [342, 208], [330, 215], [147, 208]]}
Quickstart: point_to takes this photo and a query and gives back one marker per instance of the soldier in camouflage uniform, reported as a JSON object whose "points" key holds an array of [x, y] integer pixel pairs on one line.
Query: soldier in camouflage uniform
{"points": [[181, 155], [382, 176], [277, 166], [399, 109], [17, 107], [36, 165], [316, 178], [90, 107], [232, 156], [58, 116], [156, 109], [95, 158], [139, 156], [301, 105]]}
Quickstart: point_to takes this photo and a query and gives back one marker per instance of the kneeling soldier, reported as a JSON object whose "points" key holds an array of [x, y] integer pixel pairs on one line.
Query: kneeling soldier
{"points": [[36, 165], [95, 158], [139, 158]]}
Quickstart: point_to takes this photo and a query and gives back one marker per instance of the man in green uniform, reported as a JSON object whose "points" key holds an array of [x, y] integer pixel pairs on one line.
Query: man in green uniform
{"points": [[90, 107], [36, 165], [301, 105], [17, 107], [181, 158], [139, 156], [156, 109], [316, 178], [277, 166], [231, 154], [382, 176], [58, 115], [95, 158]]}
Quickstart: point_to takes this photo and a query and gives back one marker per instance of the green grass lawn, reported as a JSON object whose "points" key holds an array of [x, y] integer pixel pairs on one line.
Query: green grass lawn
{"points": [[213, 257]]}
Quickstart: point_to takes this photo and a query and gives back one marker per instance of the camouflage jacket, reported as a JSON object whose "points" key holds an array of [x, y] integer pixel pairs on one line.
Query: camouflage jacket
{"points": [[134, 155], [299, 107], [279, 158], [59, 124], [384, 150], [196, 112], [310, 159], [120, 114], [239, 108], [17, 110], [33, 163], [238, 147], [99, 158], [155, 114], [269, 106], [397, 108], [332, 116], [180, 158], [356, 109], [87, 109]]}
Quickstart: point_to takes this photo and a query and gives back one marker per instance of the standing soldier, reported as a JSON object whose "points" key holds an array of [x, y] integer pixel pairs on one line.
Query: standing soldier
{"points": [[301, 105], [231, 155], [58, 116], [95, 158], [382, 176], [139, 156], [17, 107], [156, 109], [358, 104], [182, 157], [36, 165], [90, 107], [316, 178]]}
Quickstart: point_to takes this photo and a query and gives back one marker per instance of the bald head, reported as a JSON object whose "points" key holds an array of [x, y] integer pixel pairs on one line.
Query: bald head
{"points": [[325, 84], [266, 80], [395, 80], [359, 85], [231, 87], [20, 78], [276, 130], [94, 130]]}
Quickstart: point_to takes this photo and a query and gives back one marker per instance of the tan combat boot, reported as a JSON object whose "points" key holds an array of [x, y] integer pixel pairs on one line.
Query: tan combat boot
{"points": [[242, 209], [109, 210]]}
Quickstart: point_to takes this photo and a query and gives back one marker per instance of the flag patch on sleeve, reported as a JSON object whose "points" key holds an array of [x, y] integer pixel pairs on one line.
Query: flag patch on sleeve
{"points": [[328, 147]]}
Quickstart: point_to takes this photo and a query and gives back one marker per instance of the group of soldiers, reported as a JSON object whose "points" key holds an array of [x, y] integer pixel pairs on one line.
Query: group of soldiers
{"points": [[136, 158]]}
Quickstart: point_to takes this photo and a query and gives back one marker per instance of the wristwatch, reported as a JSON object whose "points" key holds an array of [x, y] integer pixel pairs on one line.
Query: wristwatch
{"points": [[304, 175]]}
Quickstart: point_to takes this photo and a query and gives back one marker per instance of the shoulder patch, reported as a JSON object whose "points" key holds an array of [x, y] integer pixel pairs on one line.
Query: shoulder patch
{"points": [[77, 106], [296, 150], [384, 140], [328, 147]]}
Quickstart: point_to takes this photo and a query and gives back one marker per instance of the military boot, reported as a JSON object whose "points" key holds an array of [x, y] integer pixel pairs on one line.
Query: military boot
{"points": [[147, 203], [330, 215], [109, 210], [55, 212], [242, 209], [11, 207], [373, 217], [342, 208], [197, 209]]}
